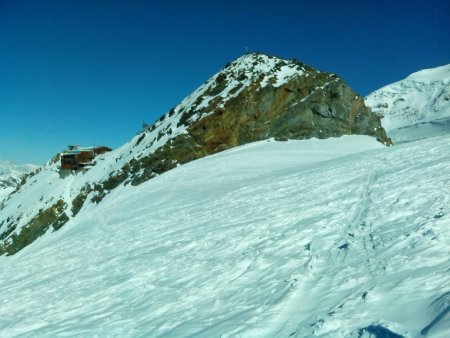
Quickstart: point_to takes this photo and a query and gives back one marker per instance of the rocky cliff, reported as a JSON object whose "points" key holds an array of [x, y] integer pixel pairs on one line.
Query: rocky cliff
{"points": [[253, 98]]}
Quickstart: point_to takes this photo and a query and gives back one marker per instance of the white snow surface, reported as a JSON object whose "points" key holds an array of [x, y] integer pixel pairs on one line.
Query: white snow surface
{"points": [[5, 191], [421, 101], [315, 238]]}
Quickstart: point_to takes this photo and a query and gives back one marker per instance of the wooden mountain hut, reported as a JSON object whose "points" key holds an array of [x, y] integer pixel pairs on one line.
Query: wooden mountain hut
{"points": [[76, 158]]}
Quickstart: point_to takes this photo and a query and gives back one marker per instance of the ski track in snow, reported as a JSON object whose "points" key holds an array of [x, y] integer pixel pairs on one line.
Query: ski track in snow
{"points": [[227, 247]]}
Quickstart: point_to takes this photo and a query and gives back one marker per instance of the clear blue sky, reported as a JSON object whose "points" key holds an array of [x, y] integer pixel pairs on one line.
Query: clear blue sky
{"points": [[89, 72]]}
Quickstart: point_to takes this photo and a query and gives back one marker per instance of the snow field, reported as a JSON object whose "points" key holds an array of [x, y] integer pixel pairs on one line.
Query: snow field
{"points": [[272, 239]]}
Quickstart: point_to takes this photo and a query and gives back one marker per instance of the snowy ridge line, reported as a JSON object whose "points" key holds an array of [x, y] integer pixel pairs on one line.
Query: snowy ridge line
{"points": [[441, 73]]}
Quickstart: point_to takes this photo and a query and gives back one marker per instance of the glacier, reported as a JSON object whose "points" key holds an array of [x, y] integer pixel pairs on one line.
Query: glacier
{"points": [[416, 107]]}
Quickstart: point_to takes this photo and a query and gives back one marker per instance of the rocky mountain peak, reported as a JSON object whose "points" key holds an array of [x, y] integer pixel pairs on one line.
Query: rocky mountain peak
{"points": [[254, 69], [259, 96], [264, 69]]}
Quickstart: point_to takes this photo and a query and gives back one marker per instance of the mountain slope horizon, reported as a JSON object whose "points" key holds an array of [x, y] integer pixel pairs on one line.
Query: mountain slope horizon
{"points": [[255, 97]]}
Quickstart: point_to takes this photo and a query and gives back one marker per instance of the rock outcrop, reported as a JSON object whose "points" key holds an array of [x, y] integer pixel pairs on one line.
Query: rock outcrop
{"points": [[254, 98]]}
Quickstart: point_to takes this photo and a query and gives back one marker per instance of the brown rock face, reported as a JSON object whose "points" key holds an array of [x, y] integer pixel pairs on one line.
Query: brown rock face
{"points": [[286, 112]]}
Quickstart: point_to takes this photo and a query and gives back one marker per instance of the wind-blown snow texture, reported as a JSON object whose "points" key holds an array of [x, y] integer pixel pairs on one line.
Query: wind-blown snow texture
{"points": [[416, 107], [272, 239]]}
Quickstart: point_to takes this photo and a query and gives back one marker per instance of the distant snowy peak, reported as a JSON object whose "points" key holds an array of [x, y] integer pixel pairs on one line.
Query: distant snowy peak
{"points": [[11, 176], [423, 96], [10, 173]]}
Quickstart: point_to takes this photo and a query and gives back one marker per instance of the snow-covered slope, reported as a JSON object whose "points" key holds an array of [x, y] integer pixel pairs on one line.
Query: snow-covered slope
{"points": [[11, 175], [272, 239], [415, 107], [255, 97]]}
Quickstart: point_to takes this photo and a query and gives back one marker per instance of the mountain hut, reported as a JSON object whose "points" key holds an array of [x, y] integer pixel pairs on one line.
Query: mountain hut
{"points": [[77, 158]]}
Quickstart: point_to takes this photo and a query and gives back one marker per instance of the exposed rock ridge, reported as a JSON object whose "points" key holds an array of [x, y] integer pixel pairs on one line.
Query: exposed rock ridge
{"points": [[254, 98]]}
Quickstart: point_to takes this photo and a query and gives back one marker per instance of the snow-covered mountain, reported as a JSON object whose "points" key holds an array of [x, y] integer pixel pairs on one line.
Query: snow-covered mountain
{"points": [[255, 97], [11, 175], [317, 238], [416, 107], [333, 236]]}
